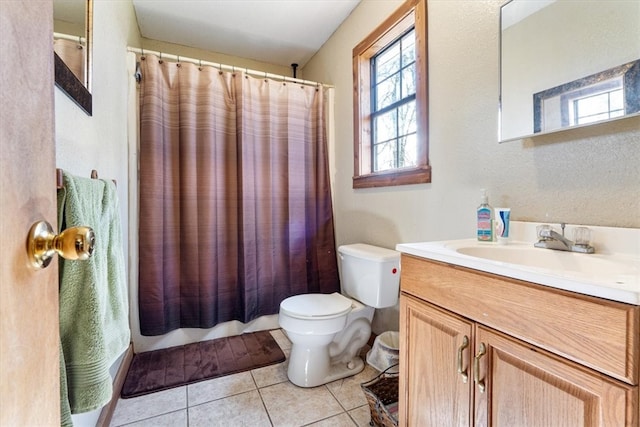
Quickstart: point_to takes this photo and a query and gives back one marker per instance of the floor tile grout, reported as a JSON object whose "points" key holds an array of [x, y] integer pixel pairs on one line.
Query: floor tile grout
{"points": [[344, 389]]}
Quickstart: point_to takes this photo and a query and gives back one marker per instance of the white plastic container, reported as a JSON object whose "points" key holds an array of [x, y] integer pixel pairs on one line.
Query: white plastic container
{"points": [[502, 224], [385, 351]]}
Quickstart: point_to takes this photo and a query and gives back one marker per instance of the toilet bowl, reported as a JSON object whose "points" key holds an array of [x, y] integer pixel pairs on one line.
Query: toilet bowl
{"points": [[327, 330]]}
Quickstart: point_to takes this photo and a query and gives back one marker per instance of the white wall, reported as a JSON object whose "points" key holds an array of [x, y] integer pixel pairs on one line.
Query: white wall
{"points": [[220, 58], [586, 176], [99, 142]]}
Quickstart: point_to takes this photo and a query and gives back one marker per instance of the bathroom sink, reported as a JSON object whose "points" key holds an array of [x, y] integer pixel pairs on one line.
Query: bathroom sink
{"points": [[527, 255], [606, 274]]}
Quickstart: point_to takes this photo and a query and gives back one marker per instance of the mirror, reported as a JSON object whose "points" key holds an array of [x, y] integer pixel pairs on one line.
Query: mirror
{"points": [[565, 64], [72, 38]]}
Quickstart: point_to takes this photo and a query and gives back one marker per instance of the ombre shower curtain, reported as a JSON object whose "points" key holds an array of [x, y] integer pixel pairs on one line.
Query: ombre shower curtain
{"points": [[235, 202]]}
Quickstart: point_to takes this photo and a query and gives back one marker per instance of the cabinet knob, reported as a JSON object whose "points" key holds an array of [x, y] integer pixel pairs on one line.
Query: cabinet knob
{"points": [[476, 367]]}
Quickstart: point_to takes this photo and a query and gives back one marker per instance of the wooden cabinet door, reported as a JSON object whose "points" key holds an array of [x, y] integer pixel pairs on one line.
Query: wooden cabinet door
{"points": [[526, 386], [432, 391]]}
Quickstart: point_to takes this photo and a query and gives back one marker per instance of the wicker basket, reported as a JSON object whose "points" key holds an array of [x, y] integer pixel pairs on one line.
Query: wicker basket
{"points": [[382, 396]]}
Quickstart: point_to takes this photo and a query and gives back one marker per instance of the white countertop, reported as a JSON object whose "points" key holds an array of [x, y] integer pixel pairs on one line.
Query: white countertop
{"points": [[610, 274]]}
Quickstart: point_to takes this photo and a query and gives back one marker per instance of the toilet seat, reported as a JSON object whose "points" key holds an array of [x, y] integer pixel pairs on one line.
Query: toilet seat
{"points": [[316, 306]]}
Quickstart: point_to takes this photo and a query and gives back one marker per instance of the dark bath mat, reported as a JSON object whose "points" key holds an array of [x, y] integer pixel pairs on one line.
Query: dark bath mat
{"points": [[157, 370]]}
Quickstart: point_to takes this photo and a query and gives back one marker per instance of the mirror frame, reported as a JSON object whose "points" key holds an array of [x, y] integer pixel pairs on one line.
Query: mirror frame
{"points": [[630, 74], [64, 77], [633, 76]]}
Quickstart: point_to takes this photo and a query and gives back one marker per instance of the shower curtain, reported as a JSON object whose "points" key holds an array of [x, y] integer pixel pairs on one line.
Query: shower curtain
{"points": [[235, 203]]}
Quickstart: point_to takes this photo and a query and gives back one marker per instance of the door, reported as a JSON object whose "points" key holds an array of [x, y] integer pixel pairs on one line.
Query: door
{"points": [[526, 386], [435, 372], [29, 337]]}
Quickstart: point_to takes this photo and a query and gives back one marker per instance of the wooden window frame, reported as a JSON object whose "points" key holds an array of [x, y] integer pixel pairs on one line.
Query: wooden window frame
{"points": [[411, 13]]}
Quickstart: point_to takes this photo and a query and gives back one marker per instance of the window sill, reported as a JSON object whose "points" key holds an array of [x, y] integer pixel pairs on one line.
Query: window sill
{"points": [[418, 175]]}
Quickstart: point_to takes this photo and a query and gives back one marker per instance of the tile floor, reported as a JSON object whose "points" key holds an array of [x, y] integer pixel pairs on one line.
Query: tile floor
{"points": [[262, 397]]}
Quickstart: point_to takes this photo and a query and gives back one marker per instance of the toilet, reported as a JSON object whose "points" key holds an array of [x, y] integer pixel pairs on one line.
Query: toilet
{"points": [[328, 330]]}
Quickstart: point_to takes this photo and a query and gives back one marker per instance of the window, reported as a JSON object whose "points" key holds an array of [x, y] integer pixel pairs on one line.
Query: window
{"points": [[606, 95], [393, 109], [390, 102], [601, 101]]}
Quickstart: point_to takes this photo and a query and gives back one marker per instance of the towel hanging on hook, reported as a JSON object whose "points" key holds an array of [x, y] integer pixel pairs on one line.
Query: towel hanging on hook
{"points": [[60, 178]]}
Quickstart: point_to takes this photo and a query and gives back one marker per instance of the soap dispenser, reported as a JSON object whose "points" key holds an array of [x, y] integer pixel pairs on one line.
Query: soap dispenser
{"points": [[485, 218]]}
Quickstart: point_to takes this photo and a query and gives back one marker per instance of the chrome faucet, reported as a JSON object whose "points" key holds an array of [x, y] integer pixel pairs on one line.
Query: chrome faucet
{"points": [[551, 239]]}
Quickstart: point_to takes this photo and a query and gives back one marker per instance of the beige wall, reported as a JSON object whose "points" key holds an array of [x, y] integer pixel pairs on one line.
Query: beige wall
{"points": [[587, 176]]}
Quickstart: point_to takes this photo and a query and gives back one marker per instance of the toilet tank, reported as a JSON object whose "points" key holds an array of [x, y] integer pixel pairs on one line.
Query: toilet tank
{"points": [[370, 274]]}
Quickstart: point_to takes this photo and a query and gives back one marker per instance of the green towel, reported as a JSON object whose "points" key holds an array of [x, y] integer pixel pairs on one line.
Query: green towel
{"points": [[65, 411], [94, 325]]}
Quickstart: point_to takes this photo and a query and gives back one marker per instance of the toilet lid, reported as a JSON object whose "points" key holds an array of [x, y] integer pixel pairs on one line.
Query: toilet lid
{"points": [[316, 305]]}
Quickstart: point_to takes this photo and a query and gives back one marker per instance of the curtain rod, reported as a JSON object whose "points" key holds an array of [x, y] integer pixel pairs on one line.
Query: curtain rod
{"points": [[180, 58], [78, 39]]}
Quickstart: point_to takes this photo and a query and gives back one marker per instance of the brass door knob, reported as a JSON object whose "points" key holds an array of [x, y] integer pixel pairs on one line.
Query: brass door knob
{"points": [[75, 243]]}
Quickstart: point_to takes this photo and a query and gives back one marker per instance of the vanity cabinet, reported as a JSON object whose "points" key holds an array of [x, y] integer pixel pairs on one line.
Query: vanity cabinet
{"points": [[478, 349]]}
